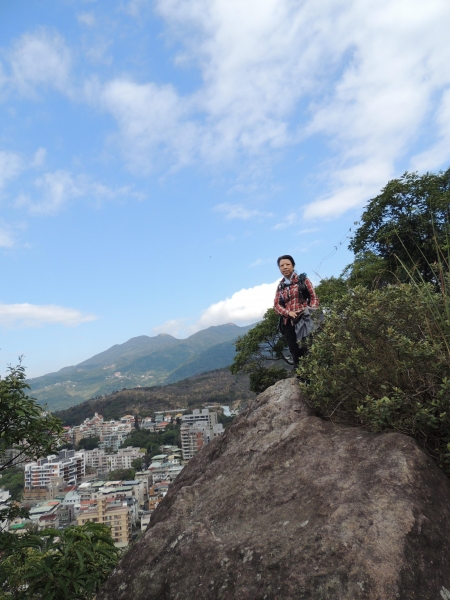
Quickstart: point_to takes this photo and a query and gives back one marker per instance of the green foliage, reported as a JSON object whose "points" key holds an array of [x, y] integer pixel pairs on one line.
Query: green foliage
{"points": [[152, 440], [261, 379], [369, 270], [257, 348], [24, 426], [122, 475], [224, 420], [405, 226], [13, 480], [214, 386], [381, 362], [25, 429], [331, 289], [89, 443], [137, 464], [57, 565]]}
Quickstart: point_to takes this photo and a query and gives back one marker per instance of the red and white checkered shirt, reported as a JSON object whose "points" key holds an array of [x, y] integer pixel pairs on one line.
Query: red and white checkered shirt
{"points": [[291, 299]]}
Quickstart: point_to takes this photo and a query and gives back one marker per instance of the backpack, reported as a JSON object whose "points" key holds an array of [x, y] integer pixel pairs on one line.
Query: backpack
{"points": [[302, 288]]}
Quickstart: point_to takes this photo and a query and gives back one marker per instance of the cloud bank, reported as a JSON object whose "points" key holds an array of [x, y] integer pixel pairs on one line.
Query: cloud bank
{"points": [[368, 79], [243, 307], [33, 315]]}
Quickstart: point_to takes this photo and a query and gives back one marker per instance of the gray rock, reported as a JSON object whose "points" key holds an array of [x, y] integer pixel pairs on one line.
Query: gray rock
{"points": [[286, 505]]}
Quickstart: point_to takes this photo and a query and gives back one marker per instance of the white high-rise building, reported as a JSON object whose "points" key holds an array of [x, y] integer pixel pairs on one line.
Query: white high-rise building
{"points": [[68, 467], [198, 429]]}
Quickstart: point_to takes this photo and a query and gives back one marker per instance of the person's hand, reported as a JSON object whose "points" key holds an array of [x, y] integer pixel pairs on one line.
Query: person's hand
{"points": [[293, 314]]}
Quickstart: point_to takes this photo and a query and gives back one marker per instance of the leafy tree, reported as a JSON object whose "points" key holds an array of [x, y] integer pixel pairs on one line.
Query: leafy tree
{"points": [[406, 224], [137, 464], [122, 475], [13, 480], [225, 420], [381, 361], [25, 428], [331, 289], [151, 440], [89, 443], [257, 349], [27, 432], [57, 565]]}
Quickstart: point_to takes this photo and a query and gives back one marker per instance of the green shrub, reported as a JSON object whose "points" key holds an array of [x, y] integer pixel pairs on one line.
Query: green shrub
{"points": [[56, 565], [381, 361]]}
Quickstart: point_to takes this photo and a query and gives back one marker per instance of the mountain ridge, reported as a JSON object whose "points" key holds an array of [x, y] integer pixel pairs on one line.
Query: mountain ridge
{"points": [[140, 361]]}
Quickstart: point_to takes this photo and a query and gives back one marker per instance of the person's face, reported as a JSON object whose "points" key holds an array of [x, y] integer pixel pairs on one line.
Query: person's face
{"points": [[286, 267]]}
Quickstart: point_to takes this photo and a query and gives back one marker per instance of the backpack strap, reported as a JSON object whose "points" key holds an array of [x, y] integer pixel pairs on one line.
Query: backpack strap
{"points": [[303, 289]]}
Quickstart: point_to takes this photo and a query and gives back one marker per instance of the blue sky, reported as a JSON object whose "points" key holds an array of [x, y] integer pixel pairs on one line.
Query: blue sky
{"points": [[156, 157]]}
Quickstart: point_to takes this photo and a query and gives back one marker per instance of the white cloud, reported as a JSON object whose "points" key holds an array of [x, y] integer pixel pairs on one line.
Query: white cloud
{"points": [[7, 238], [237, 211], [40, 59], [152, 122], [32, 315], [11, 166], [134, 7], [243, 307], [261, 261], [362, 76], [39, 158], [289, 220], [55, 190], [173, 327], [438, 154], [87, 18]]}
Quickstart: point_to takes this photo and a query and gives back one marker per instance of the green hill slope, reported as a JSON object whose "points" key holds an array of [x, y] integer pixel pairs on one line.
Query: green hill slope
{"points": [[140, 362], [214, 386]]}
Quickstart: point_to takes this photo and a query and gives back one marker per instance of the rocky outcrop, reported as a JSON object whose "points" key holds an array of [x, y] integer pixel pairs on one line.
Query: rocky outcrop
{"points": [[285, 505]]}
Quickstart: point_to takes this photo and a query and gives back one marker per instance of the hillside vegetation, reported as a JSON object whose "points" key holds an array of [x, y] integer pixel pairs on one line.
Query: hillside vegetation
{"points": [[141, 361], [218, 386]]}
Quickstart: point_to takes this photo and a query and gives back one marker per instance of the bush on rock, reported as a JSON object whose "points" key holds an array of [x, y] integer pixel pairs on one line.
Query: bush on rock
{"points": [[382, 361]]}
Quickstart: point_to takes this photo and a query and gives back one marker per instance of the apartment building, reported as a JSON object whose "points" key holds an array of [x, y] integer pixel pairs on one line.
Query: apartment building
{"points": [[200, 416], [123, 458], [198, 429], [113, 513], [67, 467], [97, 459], [165, 471], [114, 439]]}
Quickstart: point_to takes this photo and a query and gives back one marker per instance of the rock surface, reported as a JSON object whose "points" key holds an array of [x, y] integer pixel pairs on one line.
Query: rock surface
{"points": [[285, 505]]}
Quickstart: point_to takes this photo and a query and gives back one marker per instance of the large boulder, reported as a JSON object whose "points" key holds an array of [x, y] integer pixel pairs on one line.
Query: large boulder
{"points": [[286, 505]]}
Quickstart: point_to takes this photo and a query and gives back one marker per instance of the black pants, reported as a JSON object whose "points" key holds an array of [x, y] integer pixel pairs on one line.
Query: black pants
{"points": [[296, 351]]}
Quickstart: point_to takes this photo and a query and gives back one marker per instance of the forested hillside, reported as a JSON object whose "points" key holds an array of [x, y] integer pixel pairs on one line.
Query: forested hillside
{"points": [[141, 361], [215, 386]]}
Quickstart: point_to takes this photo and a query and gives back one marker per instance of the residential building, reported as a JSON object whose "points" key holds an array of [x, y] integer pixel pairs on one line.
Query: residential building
{"points": [[200, 416], [113, 513], [164, 471], [4, 497], [123, 458], [113, 440], [67, 467], [46, 514], [148, 424], [198, 429], [97, 459], [145, 519]]}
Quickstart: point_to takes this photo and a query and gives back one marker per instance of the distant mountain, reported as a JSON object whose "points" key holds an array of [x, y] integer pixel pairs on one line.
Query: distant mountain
{"points": [[201, 390], [140, 362]]}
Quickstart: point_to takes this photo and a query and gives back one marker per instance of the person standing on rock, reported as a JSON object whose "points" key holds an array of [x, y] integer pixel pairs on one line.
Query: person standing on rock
{"points": [[294, 298]]}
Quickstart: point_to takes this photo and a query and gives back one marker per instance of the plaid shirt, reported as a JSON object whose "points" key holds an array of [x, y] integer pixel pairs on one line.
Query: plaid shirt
{"points": [[293, 300]]}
